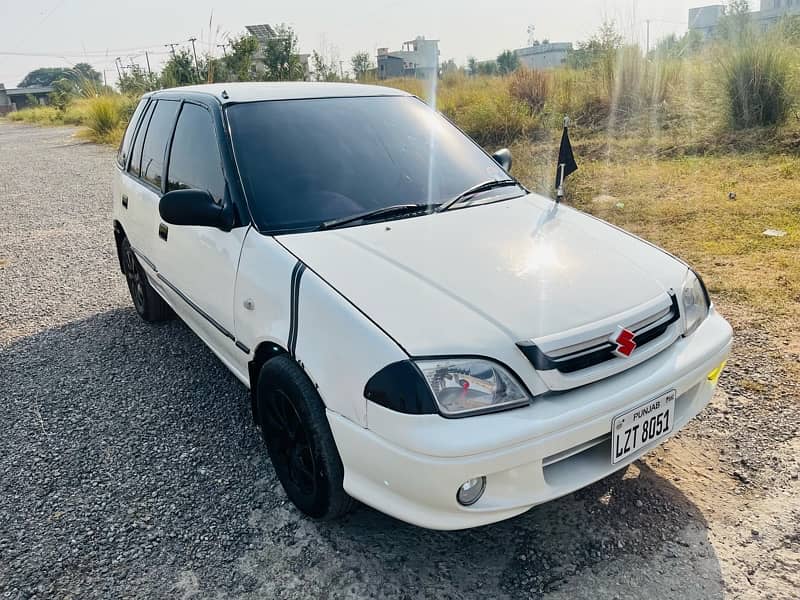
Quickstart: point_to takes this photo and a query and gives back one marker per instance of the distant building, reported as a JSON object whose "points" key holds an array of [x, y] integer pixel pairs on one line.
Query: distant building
{"points": [[418, 58], [546, 55], [390, 65], [18, 98], [773, 10], [5, 101], [705, 19]]}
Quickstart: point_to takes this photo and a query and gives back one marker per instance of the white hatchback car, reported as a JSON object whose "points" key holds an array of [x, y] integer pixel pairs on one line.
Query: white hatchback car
{"points": [[418, 331]]}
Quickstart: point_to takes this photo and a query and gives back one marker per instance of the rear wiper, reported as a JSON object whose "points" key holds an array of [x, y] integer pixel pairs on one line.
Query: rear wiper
{"points": [[396, 210], [476, 189]]}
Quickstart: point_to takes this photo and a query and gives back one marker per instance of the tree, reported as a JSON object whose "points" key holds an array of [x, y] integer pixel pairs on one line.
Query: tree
{"points": [[737, 21], [45, 76], [237, 64], [324, 69], [136, 81], [600, 48], [361, 63], [281, 58], [449, 66], [63, 92], [507, 62], [86, 72], [179, 70], [472, 65], [487, 67]]}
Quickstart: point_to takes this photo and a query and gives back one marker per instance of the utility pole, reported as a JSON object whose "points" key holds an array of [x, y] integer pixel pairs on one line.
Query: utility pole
{"points": [[116, 64], [341, 69], [105, 82], [224, 48], [171, 48], [196, 66], [648, 37], [147, 58]]}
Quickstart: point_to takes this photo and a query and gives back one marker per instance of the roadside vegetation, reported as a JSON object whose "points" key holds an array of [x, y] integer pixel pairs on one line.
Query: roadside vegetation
{"points": [[683, 92], [694, 145]]}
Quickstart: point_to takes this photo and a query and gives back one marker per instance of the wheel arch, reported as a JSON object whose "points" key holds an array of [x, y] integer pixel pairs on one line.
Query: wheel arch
{"points": [[264, 352], [119, 235]]}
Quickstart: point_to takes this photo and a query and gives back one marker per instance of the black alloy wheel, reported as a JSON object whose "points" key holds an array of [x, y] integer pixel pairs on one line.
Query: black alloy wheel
{"points": [[150, 306], [293, 455], [299, 440], [134, 277]]}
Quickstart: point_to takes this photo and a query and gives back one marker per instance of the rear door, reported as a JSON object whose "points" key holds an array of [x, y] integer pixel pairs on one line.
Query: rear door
{"points": [[122, 182], [198, 264], [146, 174]]}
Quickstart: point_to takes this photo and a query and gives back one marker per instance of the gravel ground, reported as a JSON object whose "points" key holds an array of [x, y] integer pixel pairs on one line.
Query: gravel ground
{"points": [[129, 465]]}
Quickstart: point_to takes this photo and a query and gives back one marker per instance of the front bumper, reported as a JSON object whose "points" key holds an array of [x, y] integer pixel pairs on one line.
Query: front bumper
{"points": [[410, 466]]}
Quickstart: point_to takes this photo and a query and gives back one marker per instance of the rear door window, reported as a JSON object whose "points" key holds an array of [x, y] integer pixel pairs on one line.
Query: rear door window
{"points": [[155, 142], [127, 140], [194, 160], [136, 152]]}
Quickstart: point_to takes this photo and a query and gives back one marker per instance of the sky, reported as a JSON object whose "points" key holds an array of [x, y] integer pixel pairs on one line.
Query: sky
{"points": [[38, 33]]}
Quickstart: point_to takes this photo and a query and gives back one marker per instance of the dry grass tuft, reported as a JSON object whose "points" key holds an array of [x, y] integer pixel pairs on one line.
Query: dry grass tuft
{"points": [[103, 117]]}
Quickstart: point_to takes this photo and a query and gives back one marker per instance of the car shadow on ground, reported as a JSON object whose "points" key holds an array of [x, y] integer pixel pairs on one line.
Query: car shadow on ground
{"points": [[129, 457]]}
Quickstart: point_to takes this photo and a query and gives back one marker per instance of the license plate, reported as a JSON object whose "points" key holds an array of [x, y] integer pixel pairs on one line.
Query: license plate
{"points": [[642, 426]]}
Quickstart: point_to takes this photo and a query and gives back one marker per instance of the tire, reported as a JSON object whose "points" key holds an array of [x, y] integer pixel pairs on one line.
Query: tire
{"points": [[299, 440], [150, 306]]}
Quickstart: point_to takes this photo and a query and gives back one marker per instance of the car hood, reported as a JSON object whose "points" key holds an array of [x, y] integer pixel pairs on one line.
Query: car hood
{"points": [[451, 283]]}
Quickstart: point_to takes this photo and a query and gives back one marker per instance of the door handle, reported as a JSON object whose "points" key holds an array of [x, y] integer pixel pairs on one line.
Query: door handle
{"points": [[124, 201], [163, 230]]}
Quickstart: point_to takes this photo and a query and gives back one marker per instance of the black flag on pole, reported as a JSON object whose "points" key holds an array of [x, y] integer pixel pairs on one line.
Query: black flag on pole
{"points": [[566, 161]]}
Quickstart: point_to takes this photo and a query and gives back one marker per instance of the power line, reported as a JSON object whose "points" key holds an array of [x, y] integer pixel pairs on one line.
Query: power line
{"points": [[88, 54]]}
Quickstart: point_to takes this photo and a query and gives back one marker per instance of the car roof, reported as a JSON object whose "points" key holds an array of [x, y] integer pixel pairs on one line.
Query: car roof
{"points": [[230, 93]]}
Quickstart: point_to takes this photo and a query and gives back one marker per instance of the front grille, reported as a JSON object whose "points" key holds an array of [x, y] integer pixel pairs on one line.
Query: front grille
{"points": [[599, 350]]}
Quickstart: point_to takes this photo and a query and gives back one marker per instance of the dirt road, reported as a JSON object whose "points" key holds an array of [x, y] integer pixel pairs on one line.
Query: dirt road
{"points": [[129, 465]]}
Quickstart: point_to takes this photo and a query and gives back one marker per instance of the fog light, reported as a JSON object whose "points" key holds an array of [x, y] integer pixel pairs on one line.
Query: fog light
{"points": [[471, 491]]}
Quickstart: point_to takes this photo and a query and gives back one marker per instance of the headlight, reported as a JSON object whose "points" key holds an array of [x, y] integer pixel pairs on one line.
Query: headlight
{"points": [[694, 302], [464, 386]]}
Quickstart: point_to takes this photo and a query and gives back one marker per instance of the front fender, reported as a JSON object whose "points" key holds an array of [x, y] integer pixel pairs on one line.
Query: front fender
{"points": [[281, 301]]}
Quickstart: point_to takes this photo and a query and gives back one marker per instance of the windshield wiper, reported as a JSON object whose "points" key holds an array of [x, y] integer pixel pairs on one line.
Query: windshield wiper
{"points": [[396, 210], [476, 189]]}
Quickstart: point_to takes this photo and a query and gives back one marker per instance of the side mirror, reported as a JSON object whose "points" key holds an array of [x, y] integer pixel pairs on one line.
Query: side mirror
{"points": [[503, 158], [192, 207]]}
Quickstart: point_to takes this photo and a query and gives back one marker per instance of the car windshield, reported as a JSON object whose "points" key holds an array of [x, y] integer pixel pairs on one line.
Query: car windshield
{"points": [[307, 162]]}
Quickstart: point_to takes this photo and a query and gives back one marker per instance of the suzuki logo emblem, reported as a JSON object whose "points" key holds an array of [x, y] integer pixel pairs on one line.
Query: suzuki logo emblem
{"points": [[623, 339]]}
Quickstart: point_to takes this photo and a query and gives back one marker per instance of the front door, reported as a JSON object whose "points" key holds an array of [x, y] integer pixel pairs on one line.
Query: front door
{"points": [[197, 265]]}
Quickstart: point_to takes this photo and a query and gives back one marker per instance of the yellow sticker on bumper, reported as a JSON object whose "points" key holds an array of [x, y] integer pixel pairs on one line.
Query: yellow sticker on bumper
{"points": [[713, 377]]}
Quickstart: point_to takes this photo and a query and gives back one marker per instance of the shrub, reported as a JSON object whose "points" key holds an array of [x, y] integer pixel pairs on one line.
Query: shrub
{"points": [[756, 83], [578, 94], [485, 109], [482, 106], [636, 84], [41, 115], [104, 116], [530, 87]]}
